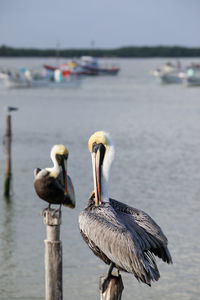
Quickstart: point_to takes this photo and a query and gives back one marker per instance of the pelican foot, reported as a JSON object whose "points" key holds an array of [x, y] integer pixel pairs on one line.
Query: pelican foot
{"points": [[111, 286], [56, 211], [105, 280], [116, 273], [43, 212], [110, 269]]}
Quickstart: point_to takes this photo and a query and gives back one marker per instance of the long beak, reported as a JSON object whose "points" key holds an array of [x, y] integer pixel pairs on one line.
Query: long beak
{"points": [[64, 168], [96, 164]]}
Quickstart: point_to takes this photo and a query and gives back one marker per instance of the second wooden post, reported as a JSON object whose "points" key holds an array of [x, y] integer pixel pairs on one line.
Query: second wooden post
{"points": [[53, 255]]}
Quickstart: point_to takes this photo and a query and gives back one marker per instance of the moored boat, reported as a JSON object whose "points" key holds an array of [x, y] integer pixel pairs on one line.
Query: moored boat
{"points": [[91, 64], [50, 77], [193, 76], [169, 73], [18, 80], [171, 77]]}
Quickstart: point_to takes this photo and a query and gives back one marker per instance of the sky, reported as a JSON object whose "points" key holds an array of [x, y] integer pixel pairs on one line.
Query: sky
{"points": [[99, 23]]}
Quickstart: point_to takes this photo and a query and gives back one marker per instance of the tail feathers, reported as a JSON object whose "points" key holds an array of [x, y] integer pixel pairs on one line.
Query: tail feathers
{"points": [[149, 271], [163, 253], [36, 171], [68, 202]]}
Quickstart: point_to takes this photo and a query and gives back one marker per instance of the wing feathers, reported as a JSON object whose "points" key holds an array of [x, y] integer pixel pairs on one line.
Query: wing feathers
{"points": [[150, 234], [118, 246], [125, 236]]}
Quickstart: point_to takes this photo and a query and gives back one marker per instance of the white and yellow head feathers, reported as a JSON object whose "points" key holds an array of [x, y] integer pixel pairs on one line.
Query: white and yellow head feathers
{"points": [[59, 150], [102, 137], [57, 153], [98, 137]]}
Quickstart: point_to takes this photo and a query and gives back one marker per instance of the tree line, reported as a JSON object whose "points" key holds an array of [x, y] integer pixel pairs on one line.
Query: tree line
{"points": [[132, 51]]}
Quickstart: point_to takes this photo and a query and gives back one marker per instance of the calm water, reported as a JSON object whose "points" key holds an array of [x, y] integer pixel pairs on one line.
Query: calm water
{"points": [[156, 130]]}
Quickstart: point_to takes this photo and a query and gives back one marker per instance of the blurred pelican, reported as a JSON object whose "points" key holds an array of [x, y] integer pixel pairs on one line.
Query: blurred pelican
{"points": [[53, 185]]}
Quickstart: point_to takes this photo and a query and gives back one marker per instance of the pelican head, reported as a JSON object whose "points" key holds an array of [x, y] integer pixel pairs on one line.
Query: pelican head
{"points": [[102, 151], [59, 155]]}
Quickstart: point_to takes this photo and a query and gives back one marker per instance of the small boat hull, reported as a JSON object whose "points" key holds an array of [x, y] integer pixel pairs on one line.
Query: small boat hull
{"points": [[168, 78], [193, 81]]}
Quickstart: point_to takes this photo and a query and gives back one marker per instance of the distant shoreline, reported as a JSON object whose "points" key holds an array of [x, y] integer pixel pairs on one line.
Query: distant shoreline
{"points": [[123, 52]]}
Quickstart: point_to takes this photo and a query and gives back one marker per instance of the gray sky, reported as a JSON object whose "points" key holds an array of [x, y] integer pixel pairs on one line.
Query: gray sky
{"points": [[109, 23]]}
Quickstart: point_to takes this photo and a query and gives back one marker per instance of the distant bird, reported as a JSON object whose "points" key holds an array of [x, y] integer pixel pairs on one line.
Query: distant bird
{"points": [[11, 108], [53, 185], [122, 236]]}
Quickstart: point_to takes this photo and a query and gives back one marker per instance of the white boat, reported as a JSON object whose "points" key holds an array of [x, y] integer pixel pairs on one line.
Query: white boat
{"points": [[171, 77], [193, 76], [91, 66], [169, 73], [12, 82], [16, 79], [29, 79]]}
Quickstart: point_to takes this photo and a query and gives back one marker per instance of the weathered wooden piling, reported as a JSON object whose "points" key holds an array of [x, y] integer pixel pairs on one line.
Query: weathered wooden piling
{"points": [[53, 255], [111, 287], [8, 173]]}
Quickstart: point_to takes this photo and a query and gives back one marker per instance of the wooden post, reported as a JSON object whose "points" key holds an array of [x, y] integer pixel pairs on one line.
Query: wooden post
{"points": [[111, 287], [8, 157], [53, 255]]}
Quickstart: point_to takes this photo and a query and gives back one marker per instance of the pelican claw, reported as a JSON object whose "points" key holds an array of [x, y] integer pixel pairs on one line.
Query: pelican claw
{"points": [[43, 212], [110, 269], [104, 284], [55, 211]]}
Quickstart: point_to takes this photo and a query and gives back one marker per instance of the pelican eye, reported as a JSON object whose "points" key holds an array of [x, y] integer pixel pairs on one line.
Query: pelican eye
{"points": [[94, 147], [58, 158], [65, 156]]}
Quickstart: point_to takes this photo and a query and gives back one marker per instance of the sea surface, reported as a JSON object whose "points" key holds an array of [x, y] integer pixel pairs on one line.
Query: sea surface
{"points": [[156, 131]]}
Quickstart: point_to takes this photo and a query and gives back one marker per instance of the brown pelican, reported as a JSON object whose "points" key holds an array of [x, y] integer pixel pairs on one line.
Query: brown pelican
{"points": [[122, 236], [53, 184]]}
